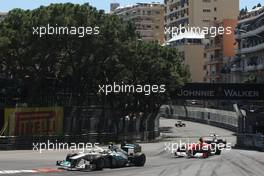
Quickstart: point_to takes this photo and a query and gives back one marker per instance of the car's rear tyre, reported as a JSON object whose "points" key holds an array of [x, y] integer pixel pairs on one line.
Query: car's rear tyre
{"points": [[140, 159], [206, 154], [98, 164], [218, 152], [189, 153], [113, 162]]}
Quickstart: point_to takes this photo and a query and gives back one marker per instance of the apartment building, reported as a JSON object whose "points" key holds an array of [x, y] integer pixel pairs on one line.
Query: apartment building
{"points": [[200, 13], [2, 16], [114, 6], [148, 19], [191, 48], [219, 51], [248, 65]]}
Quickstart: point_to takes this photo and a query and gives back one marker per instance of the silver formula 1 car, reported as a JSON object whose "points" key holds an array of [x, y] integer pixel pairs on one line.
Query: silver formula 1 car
{"points": [[113, 157]]}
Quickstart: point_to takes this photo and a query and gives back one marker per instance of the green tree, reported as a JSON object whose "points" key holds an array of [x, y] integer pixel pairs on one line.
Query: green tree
{"points": [[51, 64]]}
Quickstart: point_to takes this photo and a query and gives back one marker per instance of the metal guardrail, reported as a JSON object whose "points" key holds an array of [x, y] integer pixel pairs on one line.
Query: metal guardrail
{"points": [[224, 119]]}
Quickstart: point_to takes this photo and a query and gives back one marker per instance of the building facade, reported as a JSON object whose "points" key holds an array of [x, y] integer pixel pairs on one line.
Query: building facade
{"points": [[199, 13], [203, 13], [191, 48], [148, 19], [248, 65], [2, 16], [219, 51], [114, 6]]}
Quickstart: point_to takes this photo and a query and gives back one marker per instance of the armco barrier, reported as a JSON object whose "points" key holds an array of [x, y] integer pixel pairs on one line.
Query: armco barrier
{"points": [[219, 118], [253, 141]]}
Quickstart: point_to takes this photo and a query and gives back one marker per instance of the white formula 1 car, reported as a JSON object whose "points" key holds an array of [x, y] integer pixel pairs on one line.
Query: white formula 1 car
{"points": [[203, 149]]}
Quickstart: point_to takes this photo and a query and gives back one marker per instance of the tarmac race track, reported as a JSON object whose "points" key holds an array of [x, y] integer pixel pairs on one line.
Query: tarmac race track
{"points": [[159, 162]]}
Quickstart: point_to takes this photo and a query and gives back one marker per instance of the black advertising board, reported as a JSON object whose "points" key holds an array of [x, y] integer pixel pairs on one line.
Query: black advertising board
{"points": [[210, 91]]}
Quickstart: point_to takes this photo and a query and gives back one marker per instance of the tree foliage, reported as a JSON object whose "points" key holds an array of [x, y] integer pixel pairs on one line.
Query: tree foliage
{"points": [[52, 64]]}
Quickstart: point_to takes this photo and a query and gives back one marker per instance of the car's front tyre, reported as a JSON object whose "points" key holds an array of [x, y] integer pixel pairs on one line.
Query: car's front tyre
{"points": [[73, 162], [140, 159]]}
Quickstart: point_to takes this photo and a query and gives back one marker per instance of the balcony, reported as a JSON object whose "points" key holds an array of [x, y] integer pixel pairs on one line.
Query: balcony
{"points": [[236, 69], [235, 59], [252, 49], [260, 67], [251, 33], [216, 60], [213, 47], [251, 16], [250, 68]]}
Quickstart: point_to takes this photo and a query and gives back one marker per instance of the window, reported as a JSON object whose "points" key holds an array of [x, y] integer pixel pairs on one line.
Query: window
{"points": [[215, 9], [206, 10]]}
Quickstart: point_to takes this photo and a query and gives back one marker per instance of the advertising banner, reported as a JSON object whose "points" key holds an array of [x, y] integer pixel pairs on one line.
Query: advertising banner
{"points": [[210, 91], [34, 121]]}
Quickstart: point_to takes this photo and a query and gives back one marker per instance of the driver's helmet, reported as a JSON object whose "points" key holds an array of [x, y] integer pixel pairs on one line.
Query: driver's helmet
{"points": [[214, 137], [201, 140], [111, 146]]}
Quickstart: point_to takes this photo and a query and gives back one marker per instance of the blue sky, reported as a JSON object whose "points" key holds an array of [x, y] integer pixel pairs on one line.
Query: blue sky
{"points": [[6, 5]]}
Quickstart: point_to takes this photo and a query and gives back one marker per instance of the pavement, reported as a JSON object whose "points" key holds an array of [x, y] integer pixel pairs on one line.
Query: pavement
{"points": [[160, 162]]}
